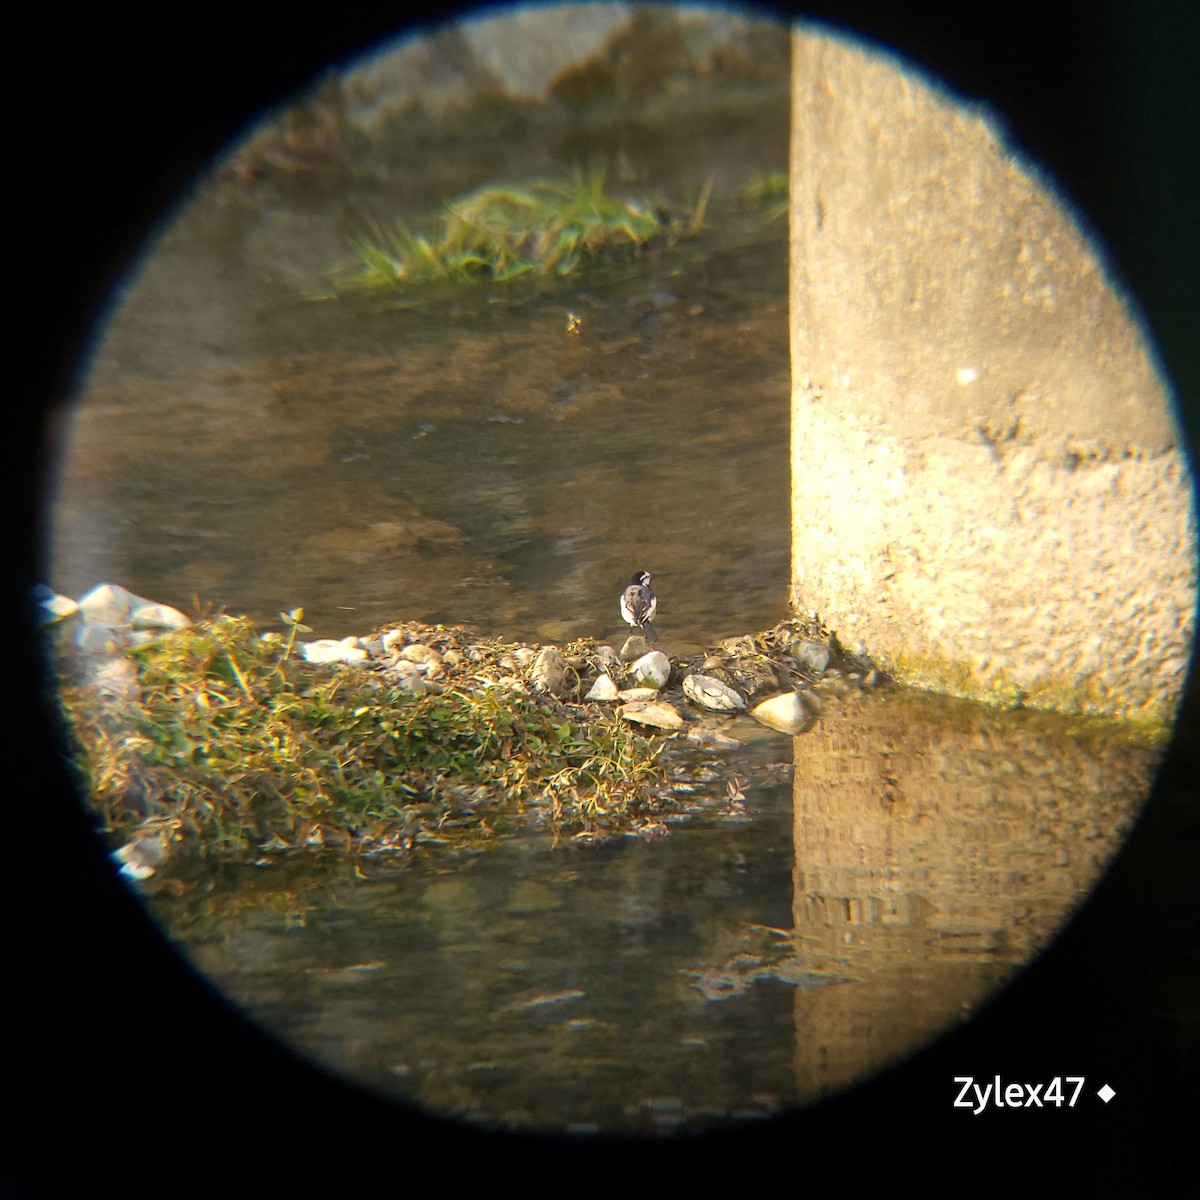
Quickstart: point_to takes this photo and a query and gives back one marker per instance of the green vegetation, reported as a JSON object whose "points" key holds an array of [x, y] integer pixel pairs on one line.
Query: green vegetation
{"points": [[770, 187], [1088, 703], [230, 741], [503, 232]]}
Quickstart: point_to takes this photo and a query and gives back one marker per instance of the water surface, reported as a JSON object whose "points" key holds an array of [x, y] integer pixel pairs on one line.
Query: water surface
{"points": [[503, 456], [506, 458], [862, 888]]}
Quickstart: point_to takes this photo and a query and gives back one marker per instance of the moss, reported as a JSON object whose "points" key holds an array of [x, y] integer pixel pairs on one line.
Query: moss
{"points": [[503, 232], [1149, 722]]}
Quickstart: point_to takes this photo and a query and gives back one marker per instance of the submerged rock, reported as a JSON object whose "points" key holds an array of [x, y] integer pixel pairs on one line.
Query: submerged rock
{"points": [[656, 713], [784, 713], [708, 738], [712, 694]]}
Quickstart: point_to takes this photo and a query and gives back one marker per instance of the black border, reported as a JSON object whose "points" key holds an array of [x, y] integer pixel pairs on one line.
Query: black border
{"points": [[119, 1067]]}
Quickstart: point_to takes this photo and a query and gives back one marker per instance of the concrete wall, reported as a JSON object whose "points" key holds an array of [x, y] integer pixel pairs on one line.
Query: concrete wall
{"points": [[989, 491]]}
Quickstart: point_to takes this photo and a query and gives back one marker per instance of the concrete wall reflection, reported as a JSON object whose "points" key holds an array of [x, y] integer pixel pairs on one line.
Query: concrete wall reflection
{"points": [[939, 846]]}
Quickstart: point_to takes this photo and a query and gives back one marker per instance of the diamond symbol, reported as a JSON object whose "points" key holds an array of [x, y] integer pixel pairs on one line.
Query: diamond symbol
{"points": [[1106, 1093]]}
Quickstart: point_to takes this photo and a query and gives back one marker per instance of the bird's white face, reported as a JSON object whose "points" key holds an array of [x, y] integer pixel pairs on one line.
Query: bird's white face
{"points": [[644, 578]]}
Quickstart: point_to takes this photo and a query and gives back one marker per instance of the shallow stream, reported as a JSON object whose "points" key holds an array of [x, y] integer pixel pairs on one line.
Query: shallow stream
{"points": [[505, 458]]}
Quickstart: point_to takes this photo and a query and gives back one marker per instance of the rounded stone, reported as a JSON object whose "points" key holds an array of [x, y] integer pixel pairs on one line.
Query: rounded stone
{"points": [[712, 694], [158, 616], [812, 655], [603, 689], [406, 675], [651, 670], [785, 713], [656, 713], [57, 608], [110, 604], [550, 672], [140, 858], [416, 653], [326, 650], [634, 646]]}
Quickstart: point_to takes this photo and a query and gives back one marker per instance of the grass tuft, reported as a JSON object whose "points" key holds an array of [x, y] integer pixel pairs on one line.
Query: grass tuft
{"points": [[233, 743], [498, 233]]}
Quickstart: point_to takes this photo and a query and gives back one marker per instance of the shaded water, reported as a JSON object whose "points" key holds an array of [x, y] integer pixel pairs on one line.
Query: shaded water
{"points": [[506, 458], [530, 986]]}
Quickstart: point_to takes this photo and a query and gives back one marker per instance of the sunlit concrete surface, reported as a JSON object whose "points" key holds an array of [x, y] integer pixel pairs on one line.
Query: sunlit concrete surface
{"points": [[989, 489]]}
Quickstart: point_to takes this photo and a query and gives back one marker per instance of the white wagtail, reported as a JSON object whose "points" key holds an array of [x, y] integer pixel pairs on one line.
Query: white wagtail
{"points": [[639, 604]]}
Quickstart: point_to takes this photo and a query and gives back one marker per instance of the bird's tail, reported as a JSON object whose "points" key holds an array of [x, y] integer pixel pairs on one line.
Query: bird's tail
{"points": [[648, 629]]}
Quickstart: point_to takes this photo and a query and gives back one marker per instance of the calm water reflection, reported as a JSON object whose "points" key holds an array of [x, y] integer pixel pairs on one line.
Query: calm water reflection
{"points": [[922, 851]]}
